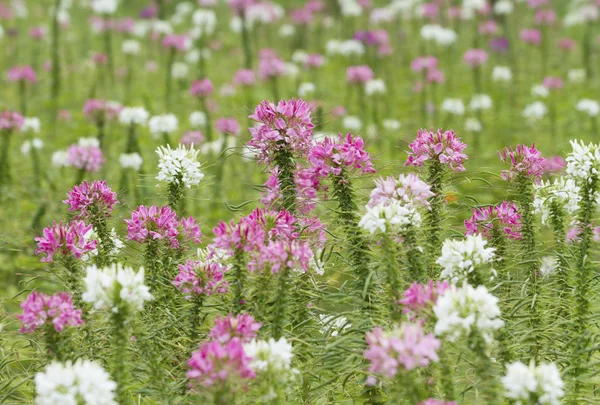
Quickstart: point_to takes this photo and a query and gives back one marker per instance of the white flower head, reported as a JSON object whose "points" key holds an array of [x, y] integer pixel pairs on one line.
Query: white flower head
{"points": [[453, 106], [352, 123], [375, 86], [539, 91], [274, 356], [535, 111], [35, 143], [501, 74], [32, 124], [287, 30], [180, 70], [460, 258], [197, 119], [131, 161], [472, 124], [133, 115], [563, 192], [548, 265], [543, 382], [390, 217], [179, 166], [390, 124], [163, 124], [131, 47], [589, 107], [333, 325], [480, 102], [576, 75], [106, 7], [205, 22], [584, 161], [60, 158], [504, 7], [306, 88]]}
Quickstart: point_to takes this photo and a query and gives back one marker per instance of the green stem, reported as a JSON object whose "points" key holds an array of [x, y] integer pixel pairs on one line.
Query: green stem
{"points": [[281, 302], [433, 218], [239, 281], [285, 176]]}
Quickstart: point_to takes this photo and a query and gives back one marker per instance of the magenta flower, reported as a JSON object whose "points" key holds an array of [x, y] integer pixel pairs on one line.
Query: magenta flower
{"points": [[331, 157], [246, 235], [408, 189], [424, 63], [66, 240], [270, 65], [91, 200], [279, 254], [405, 347], [57, 309], [314, 60], [11, 120], [228, 126], [307, 185], [37, 32], [176, 42], [22, 74], [524, 161], [503, 216], [442, 146], [244, 77], [190, 138], [240, 327], [554, 164], [240, 6], [488, 27], [432, 401], [201, 88], [214, 363], [475, 57], [153, 223], [419, 299], [85, 157], [545, 16], [359, 74], [98, 111], [531, 36], [553, 83], [566, 44], [200, 278], [287, 125]]}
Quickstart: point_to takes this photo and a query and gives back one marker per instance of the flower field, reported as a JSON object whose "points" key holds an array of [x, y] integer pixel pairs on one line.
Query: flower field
{"points": [[299, 202]]}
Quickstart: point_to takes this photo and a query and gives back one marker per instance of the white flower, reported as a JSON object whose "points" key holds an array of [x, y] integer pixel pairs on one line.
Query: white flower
{"points": [[504, 7], [273, 355], [391, 216], [89, 142], [375, 86], [454, 106], [131, 160], [31, 124], [161, 27], [82, 382], [350, 8], [180, 70], [563, 192], [576, 75], [352, 123], [290, 69], [462, 257], [105, 6], [35, 143], [197, 119], [216, 146], [179, 166], [390, 124], [590, 107], [461, 311], [584, 161], [300, 57], [93, 235], [548, 265], [333, 325], [350, 47], [480, 102], [539, 91], [133, 115], [287, 30], [473, 125], [205, 22], [543, 382], [535, 111], [163, 124], [60, 158], [101, 284], [440, 35], [501, 74], [305, 89], [131, 47]]}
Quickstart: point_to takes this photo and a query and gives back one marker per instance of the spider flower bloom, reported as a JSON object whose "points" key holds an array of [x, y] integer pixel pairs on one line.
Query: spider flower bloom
{"points": [[242, 327], [408, 189], [10, 120], [200, 278], [217, 363], [148, 223], [279, 254], [531, 36], [57, 309], [85, 156], [240, 6], [524, 161], [98, 111], [433, 401], [176, 42], [22, 74], [192, 138], [91, 199], [244, 77], [424, 63], [545, 17], [246, 235], [442, 146], [475, 57], [331, 157], [419, 299], [270, 66], [503, 216], [553, 83], [406, 347], [228, 126], [359, 74], [287, 125], [201, 88], [179, 166], [66, 240]]}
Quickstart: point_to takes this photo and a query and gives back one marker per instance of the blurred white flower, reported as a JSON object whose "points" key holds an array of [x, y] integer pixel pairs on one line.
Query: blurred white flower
{"points": [[131, 161], [589, 107]]}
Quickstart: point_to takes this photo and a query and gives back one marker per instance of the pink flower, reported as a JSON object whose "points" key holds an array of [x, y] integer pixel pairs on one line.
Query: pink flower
{"points": [[98, 111], [66, 240], [240, 6], [37, 32], [153, 223], [488, 27], [554, 164], [242, 327], [192, 138], [435, 76], [533, 4], [176, 42], [189, 230], [90, 200], [11, 120], [405, 347], [553, 83], [475, 57], [270, 65], [424, 63], [85, 157], [314, 60], [419, 299], [244, 77], [201, 88], [566, 44], [246, 235], [531, 36], [545, 17], [432, 401], [39, 308], [279, 254], [22, 74], [359, 74], [331, 157], [442, 146], [219, 363], [100, 58], [485, 219], [524, 161], [307, 184], [285, 126], [228, 126], [200, 278], [408, 189]]}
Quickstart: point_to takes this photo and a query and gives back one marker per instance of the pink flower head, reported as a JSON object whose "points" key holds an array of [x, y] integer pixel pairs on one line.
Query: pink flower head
{"points": [[228, 126], [307, 184], [246, 235], [408, 189], [85, 157], [279, 254], [217, 363], [475, 57], [430, 10], [302, 16], [419, 299], [22, 74], [566, 44], [524, 160], [201, 88], [148, 223], [405, 347], [531, 36], [554, 164], [69, 239], [359, 74], [242, 327], [11, 120], [244, 77], [37, 32], [545, 16], [488, 27], [433, 401], [533, 4], [270, 65], [443, 146], [331, 157], [201, 278], [553, 83], [435, 76], [98, 111], [240, 6], [424, 63], [314, 60], [176, 42], [100, 58], [39, 308], [189, 230], [503, 216], [287, 125], [91, 200], [189, 138]]}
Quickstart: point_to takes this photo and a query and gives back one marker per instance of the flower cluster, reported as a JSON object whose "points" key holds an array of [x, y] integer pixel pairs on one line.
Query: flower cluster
{"points": [[179, 166], [524, 160], [407, 189], [419, 299], [22, 74], [359, 74], [563, 192], [274, 356], [334, 156], [163, 124], [503, 216], [584, 161], [201, 88], [10, 120], [442, 146], [57, 309], [69, 239], [152, 222], [242, 327], [228, 126], [405, 347], [392, 216], [91, 199], [85, 155], [201, 278], [133, 116], [460, 258], [98, 111], [539, 384]]}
